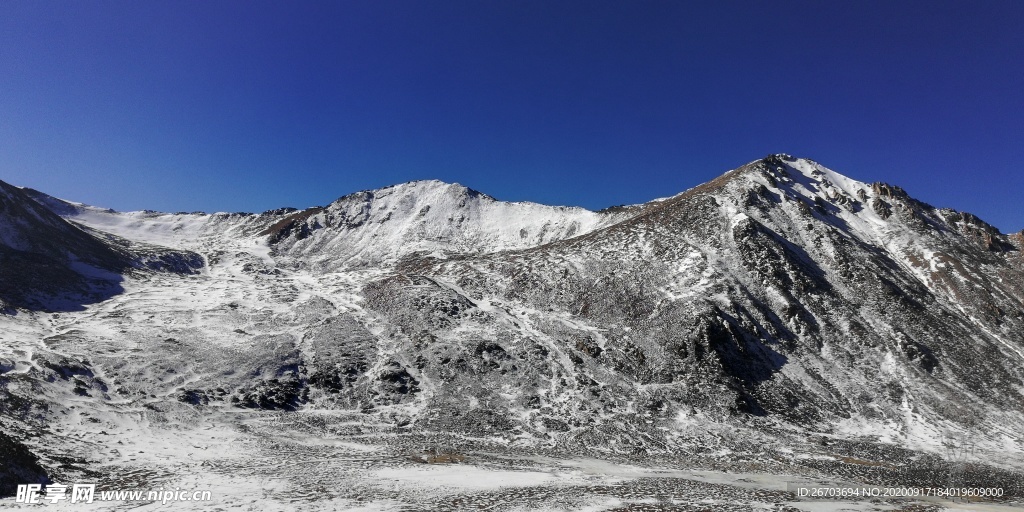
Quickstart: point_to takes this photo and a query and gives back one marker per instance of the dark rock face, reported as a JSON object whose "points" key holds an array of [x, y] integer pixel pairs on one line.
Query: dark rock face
{"points": [[282, 393], [18, 466], [194, 397], [293, 225], [881, 207], [178, 262], [396, 380]]}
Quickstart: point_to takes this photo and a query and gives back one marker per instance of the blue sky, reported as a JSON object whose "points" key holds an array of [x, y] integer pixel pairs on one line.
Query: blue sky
{"points": [[246, 106]]}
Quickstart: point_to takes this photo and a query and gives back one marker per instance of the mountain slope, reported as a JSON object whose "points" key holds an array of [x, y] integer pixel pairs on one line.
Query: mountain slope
{"points": [[782, 316], [780, 290], [49, 263]]}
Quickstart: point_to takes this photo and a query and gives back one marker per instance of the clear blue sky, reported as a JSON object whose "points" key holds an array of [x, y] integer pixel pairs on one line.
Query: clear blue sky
{"points": [[249, 105]]}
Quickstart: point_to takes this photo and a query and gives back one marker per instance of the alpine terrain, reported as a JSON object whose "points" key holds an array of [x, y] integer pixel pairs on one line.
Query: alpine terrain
{"points": [[428, 347]]}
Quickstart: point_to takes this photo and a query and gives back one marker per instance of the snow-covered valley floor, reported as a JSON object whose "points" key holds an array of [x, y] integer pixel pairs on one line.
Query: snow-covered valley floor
{"points": [[117, 419]]}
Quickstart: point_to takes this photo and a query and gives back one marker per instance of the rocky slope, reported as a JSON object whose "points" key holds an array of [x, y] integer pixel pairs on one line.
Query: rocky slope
{"points": [[779, 303], [781, 291]]}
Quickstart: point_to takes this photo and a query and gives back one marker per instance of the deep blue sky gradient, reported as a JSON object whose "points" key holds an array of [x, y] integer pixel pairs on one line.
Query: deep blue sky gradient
{"points": [[250, 105]]}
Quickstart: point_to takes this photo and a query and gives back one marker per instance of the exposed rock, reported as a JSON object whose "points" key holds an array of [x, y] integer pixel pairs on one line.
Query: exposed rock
{"points": [[882, 208], [18, 466]]}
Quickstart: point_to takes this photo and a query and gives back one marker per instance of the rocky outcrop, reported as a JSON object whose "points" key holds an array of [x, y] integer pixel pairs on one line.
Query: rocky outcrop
{"points": [[18, 466]]}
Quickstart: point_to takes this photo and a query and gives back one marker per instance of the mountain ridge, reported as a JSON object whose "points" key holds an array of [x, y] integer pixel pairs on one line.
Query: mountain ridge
{"points": [[69, 208]]}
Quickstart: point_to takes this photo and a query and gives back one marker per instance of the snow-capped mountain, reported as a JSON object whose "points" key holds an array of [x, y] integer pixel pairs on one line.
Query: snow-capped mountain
{"points": [[431, 218], [782, 289], [780, 301]]}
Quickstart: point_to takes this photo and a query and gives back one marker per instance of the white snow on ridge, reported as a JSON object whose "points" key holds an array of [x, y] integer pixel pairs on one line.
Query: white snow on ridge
{"points": [[434, 217], [817, 183], [430, 217], [185, 231]]}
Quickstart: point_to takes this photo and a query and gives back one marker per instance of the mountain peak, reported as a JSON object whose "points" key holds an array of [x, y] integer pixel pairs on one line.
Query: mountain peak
{"points": [[423, 188], [427, 217]]}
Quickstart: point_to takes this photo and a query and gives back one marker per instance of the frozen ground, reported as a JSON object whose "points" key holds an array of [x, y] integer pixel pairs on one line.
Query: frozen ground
{"points": [[338, 461], [138, 434]]}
